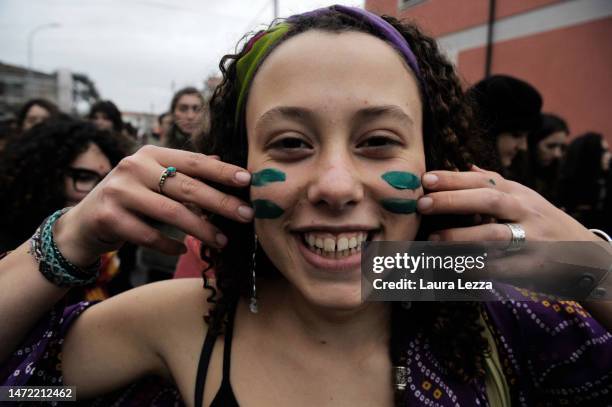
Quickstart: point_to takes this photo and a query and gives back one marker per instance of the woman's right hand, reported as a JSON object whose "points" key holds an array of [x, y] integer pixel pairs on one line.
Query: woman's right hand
{"points": [[117, 210]]}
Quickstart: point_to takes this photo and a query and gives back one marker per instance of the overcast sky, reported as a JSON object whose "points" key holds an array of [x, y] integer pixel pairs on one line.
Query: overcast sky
{"points": [[136, 50]]}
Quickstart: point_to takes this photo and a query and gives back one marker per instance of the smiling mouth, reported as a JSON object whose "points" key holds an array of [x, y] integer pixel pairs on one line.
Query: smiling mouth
{"points": [[335, 245]]}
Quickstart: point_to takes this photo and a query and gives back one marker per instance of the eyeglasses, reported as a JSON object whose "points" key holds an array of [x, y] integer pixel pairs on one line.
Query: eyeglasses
{"points": [[84, 180]]}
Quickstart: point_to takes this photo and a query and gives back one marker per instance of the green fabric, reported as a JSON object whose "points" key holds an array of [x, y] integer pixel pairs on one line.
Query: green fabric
{"points": [[498, 391], [247, 65]]}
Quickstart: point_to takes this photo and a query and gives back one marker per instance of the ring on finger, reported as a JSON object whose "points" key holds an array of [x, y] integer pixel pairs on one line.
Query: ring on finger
{"points": [[518, 239], [168, 172]]}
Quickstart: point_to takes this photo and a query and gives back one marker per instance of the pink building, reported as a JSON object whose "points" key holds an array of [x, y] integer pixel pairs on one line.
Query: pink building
{"points": [[563, 48]]}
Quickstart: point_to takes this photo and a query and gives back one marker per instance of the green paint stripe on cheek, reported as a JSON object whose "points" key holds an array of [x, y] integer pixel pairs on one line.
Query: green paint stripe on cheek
{"points": [[401, 179], [263, 177], [265, 209], [399, 205]]}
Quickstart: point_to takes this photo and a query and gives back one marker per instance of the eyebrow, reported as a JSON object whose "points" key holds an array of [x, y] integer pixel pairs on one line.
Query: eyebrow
{"points": [[286, 112], [392, 111], [308, 117]]}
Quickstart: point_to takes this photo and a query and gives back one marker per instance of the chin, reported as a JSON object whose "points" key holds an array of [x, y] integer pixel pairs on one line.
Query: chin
{"points": [[335, 297]]}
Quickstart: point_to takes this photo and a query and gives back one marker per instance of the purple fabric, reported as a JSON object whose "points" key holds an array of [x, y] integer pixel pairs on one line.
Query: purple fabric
{"points": [[38, 363], [552, 353], [389, 32]]}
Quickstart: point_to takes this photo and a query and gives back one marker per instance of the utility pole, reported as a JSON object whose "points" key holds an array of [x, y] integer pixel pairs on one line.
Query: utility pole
{"points": [[275, 9]]}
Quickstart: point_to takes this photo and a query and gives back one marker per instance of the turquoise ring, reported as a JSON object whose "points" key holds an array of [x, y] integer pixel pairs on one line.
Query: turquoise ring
{"points": [[168, 172]]}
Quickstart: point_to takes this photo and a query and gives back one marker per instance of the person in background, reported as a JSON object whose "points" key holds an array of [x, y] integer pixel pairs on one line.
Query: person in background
{"points": [[546, 148], [187, 108], [106, 116], [164, 123], [35, 111], [585, 184], [508, 108], [54, 165], [187, 112]]}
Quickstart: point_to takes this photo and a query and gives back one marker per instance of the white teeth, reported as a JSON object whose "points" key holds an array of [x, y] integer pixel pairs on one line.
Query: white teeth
{"points": [[343, 244], [329, 245], [339, 246], [311, 239], [319, 242]]}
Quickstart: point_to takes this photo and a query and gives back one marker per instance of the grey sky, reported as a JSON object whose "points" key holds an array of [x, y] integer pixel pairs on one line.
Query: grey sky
{"points": [[135, 49]]}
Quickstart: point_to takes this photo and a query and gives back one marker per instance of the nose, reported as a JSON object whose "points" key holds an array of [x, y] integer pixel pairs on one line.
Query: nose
{"points": [[336, 185]]}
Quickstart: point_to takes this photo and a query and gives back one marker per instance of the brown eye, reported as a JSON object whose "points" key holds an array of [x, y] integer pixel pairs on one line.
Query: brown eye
{"points": [[379, 141], [290, 143]]}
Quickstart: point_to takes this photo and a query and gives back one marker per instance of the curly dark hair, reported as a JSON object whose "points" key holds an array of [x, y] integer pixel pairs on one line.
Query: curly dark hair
{"points": [[32, 172], [452, 328]]}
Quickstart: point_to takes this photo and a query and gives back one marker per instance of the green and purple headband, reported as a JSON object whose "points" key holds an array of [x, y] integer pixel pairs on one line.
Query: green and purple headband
{"points": [[259, 46]]}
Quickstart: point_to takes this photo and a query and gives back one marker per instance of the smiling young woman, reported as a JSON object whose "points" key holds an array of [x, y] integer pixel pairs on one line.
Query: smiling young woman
{"points": [[336, 114]]}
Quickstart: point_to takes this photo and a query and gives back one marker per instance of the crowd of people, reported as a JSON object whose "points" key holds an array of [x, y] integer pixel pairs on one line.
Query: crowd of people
{"points": [[258, 194]]}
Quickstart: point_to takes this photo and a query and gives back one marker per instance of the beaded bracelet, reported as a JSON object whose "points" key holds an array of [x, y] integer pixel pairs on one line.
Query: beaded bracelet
{"points": [[52, 264]]}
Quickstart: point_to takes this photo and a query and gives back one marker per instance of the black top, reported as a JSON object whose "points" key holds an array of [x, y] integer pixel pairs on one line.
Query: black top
{"points": [[225, 396]]}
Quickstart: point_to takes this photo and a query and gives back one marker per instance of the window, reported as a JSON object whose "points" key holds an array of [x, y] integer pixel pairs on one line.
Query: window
{"points": [[404, 4]]}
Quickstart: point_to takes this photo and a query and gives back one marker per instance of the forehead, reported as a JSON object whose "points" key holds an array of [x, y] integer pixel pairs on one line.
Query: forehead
{"points": [[189, 99], [93, 159], [319, 69], [37, 109]]}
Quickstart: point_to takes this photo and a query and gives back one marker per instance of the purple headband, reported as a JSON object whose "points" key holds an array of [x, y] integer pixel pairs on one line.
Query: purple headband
{"points": [[381, 26]]}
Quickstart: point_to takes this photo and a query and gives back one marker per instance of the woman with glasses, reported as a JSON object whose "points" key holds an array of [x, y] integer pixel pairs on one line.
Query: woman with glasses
{"points": [[53, 165]]}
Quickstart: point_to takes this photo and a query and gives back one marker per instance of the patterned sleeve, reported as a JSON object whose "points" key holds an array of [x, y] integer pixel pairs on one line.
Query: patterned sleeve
{"points": [[553, 352], [37, 362]]}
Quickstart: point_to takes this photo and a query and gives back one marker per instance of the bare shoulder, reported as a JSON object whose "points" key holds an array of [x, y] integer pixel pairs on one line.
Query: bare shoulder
{"points": [[157, 306], [133, 334]]}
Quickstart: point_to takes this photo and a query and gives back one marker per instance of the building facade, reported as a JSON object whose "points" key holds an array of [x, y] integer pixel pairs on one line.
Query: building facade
{"points": [[66, 89], [563, 48]]}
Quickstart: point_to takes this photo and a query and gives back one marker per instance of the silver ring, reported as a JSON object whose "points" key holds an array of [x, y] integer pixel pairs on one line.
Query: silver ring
{"points": [[167, 173], [518, 237]]}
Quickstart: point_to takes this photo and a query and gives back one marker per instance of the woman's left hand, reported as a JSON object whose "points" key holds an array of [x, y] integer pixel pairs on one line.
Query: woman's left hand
{"points": [[488, 195]]}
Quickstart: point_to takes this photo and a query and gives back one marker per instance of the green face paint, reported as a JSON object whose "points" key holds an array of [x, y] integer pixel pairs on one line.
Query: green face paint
{"points": [[402, 180], [264, 177], [399, 205], [265, 209]]}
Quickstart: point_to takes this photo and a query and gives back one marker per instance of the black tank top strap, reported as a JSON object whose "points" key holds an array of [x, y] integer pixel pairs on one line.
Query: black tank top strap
{"points": [[227, 347], [225, 393]]}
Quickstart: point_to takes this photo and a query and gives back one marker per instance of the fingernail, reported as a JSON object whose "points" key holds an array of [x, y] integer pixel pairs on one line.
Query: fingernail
{"points": [[434, 238], [430, 179], [221, 239], [424, 203], [246, 212], [243, 177]]}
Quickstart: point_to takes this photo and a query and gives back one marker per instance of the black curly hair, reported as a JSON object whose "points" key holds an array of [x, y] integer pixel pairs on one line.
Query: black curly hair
{"points": [[451, 328], [32, 172]]}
